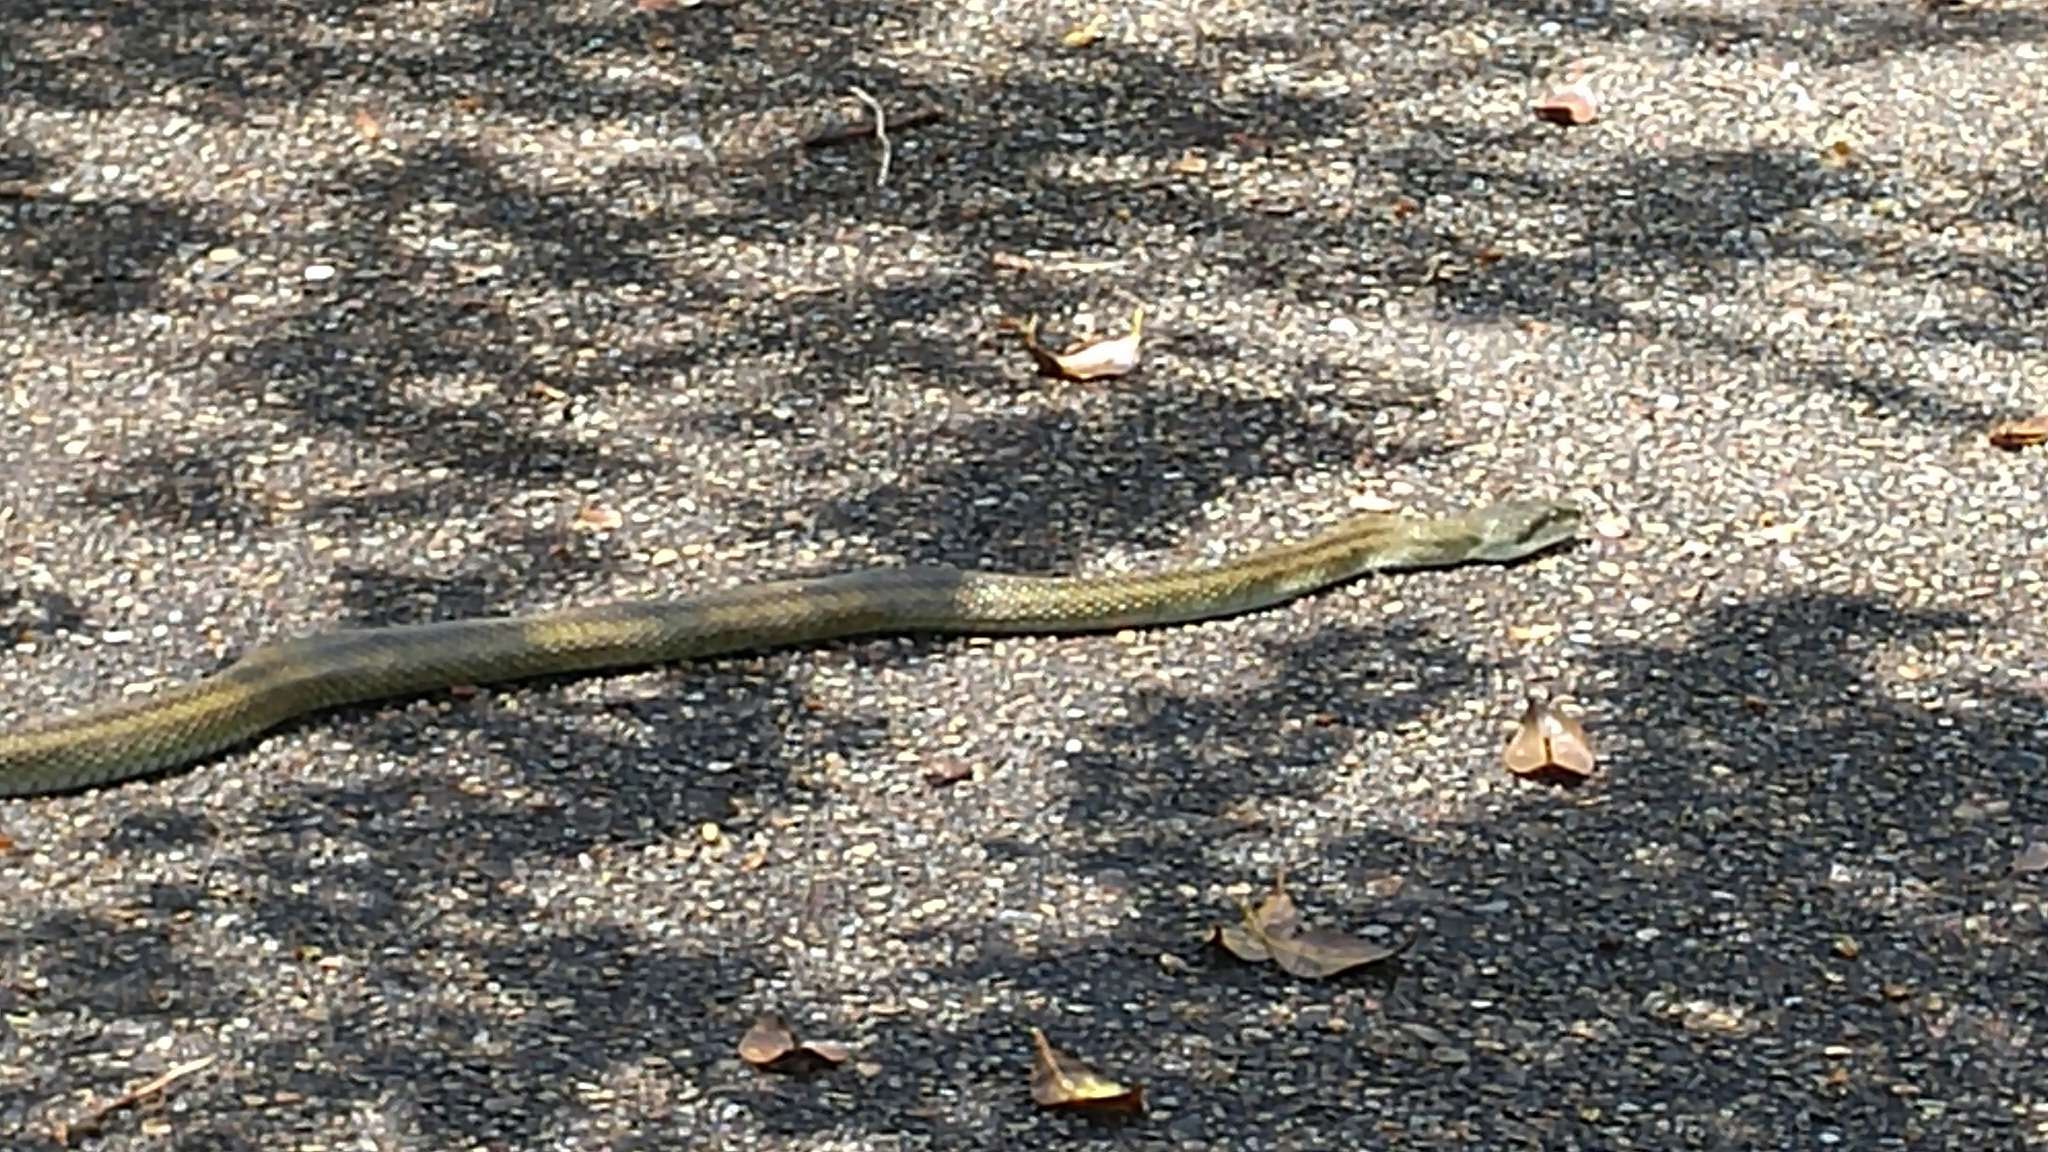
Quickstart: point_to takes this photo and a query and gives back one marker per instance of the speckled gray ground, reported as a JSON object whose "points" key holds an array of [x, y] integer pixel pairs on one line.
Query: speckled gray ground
{"points": [[352, 312]]}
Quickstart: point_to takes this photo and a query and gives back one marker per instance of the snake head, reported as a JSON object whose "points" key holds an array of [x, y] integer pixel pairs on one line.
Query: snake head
{"points": [[1513, 529]]}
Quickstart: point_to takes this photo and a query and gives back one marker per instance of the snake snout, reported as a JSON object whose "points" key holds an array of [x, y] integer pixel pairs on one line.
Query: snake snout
{"points": [[1513, 529]]}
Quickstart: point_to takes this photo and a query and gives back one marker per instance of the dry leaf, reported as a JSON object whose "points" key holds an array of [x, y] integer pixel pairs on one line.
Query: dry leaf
{"points": [[1548, 743], [1190, 163], [1273, 931], [6, 843], [1319, 953], [1837, 153], [2014, 434], [1246, 939], [1570, 105], [1094, 360], [770, 1044], [1060, 1081], [367, 126], [1084, 35]]}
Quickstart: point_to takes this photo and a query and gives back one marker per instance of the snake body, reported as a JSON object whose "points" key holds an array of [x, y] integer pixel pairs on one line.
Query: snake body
{"points": [[276, 683]]}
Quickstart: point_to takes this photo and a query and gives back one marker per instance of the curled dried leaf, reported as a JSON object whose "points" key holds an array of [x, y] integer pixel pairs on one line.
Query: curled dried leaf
{"points": [[1090, 360], [1548, 743], [2016, 434], [772, 1045], [1570, 105], [1062, 1082]]}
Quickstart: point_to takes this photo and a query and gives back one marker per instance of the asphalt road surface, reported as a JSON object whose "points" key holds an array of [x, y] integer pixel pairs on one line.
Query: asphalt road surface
{"points": [[343, 313]]}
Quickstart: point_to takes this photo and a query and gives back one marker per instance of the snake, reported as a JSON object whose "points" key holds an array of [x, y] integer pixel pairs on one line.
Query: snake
{"points": [[279, 682]]}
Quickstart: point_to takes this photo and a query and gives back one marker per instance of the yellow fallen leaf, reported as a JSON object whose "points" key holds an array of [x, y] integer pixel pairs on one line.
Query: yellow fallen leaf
{"points": [[1060, 1081]]}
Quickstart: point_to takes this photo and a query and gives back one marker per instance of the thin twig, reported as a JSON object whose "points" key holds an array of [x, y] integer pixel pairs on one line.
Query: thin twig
{"points": [[881, 130], [89, 1122], [849, 133], [1014, 262]]}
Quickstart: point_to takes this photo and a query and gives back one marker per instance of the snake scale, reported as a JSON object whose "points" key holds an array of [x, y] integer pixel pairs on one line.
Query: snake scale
{"points": [[280, 682]]}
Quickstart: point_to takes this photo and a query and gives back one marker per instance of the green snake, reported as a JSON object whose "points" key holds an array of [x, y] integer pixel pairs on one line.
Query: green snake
{"points": [[279, 682]]}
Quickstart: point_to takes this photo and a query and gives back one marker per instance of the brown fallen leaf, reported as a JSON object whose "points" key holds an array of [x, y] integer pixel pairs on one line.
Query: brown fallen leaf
{"points": [[2016, 434], [1090, 360], [1548, 743], [1317, 953], [1247, 938], [1060, 1081], [770, 1044], [1273, 931], [1570, 105], [6, 843]]}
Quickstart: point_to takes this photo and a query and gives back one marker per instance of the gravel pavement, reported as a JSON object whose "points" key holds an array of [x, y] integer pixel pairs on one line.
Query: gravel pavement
{"points": [[333, 312]]}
